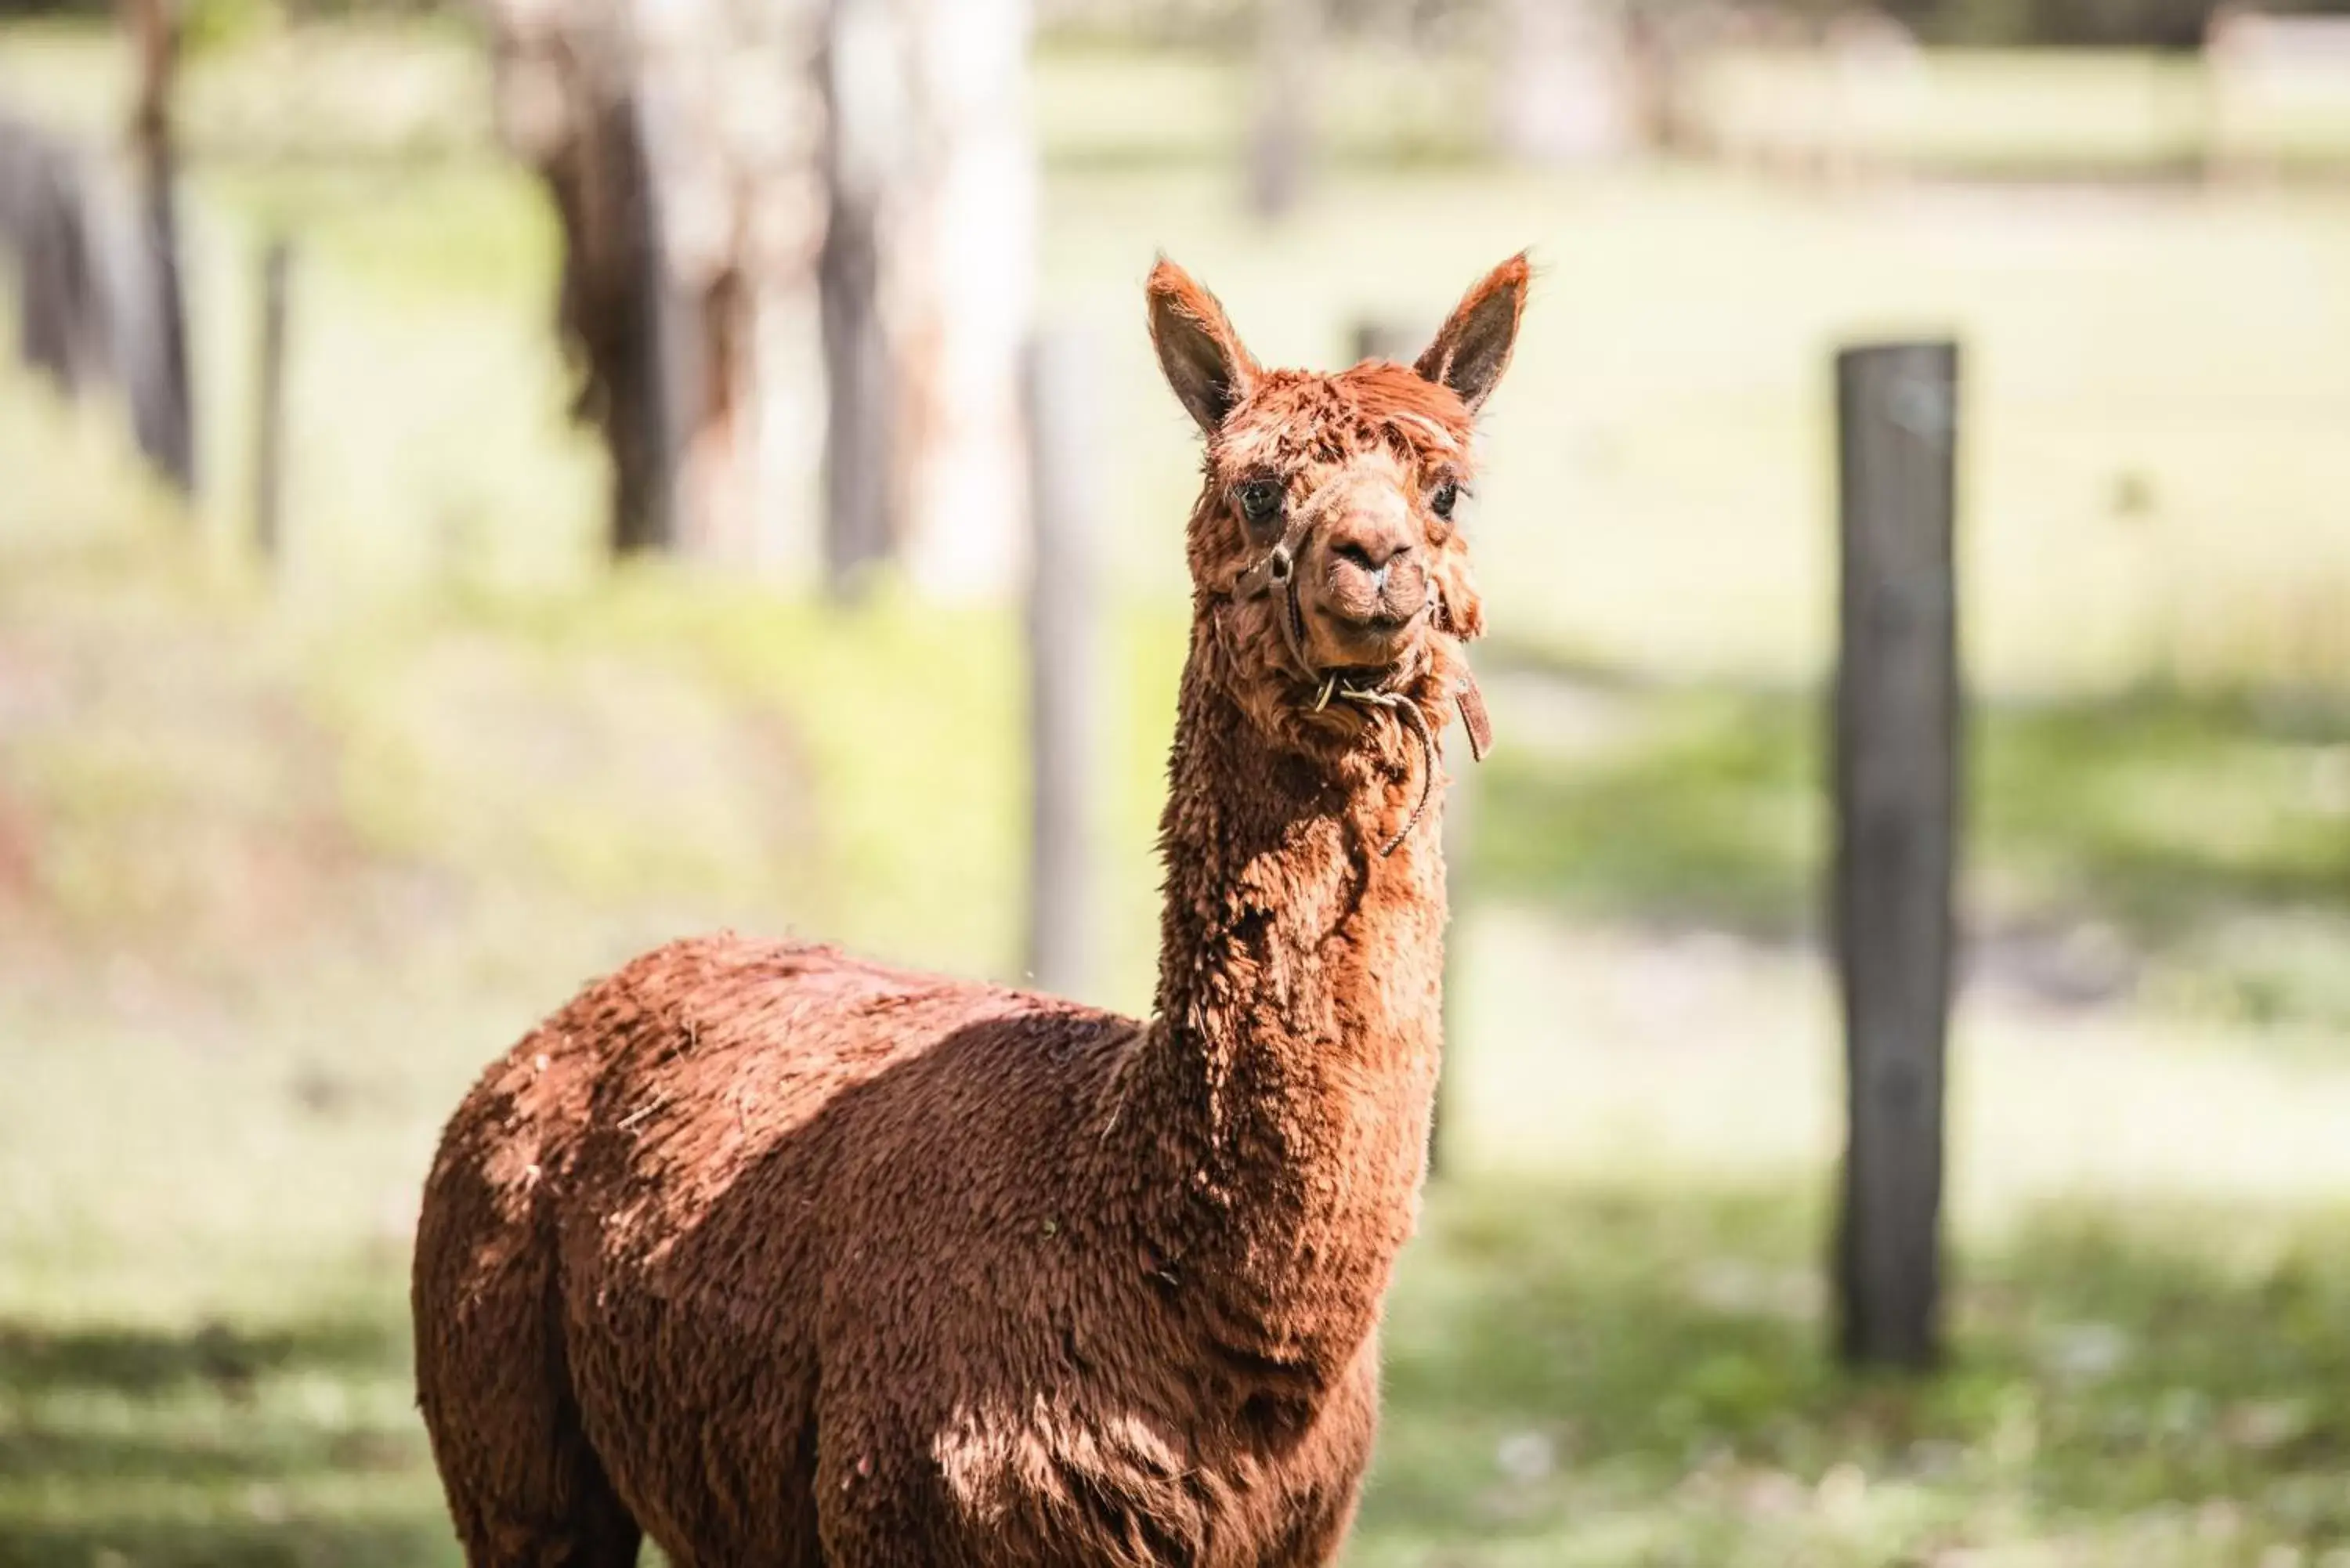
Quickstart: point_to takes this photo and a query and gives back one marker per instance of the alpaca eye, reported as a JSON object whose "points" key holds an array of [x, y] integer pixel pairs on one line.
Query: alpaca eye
{"points": [[1447, 496], [1260, 502]]}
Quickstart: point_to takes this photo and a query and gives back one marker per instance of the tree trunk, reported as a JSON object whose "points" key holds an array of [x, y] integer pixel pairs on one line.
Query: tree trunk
{"points": [[152, 344], [960, 265], [1566, 92], [689, 230], [61, 329], [1281, 132], [269, 425], [630, 333], [865, 104], [1063, 656]]}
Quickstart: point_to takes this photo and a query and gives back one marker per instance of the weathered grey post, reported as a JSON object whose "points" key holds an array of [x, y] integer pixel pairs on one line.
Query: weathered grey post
{"points": [[1281, 133], [1384, 337], [155, 366], [269, 415], [1063, 654], [864, 106], [1896, 722]]}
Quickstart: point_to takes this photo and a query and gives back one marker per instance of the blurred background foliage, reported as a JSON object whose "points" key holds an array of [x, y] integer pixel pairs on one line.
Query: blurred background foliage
{"points": [[1228, 25]]}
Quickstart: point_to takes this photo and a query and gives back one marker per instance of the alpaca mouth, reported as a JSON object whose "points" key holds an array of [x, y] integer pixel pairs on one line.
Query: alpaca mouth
{"points": [[1375, 642], [1380, 618]]}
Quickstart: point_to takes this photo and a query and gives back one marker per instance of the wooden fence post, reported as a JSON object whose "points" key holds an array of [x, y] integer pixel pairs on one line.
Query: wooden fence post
{"points": [[864, 104], [62, 327], [269, 407], [1896, 722], [155, 367], [1064, 653], [1281, 133], [1384, 338]]}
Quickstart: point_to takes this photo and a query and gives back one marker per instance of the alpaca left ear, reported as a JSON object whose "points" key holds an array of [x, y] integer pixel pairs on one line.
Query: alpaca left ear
{"points": [[1472, 348], [1204, 360]]}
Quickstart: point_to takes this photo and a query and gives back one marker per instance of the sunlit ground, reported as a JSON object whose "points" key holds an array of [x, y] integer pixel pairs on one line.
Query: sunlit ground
{"points": [[278, 870], [271, 893]]}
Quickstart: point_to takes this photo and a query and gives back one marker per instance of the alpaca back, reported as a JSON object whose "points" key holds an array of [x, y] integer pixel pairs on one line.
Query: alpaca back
{"points": [[731, 1151]]}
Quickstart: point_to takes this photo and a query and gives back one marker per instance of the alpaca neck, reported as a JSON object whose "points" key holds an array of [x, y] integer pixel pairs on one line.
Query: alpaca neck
{"points": [[1283, 1094]]}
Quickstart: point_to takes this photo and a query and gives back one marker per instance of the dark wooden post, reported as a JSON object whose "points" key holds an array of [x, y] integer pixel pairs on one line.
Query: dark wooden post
{"points": [[155, 368], [862, 103], [1064, 653], [269, 406], [61, 314], [1281, 132], [1896, 721], [641, 355], [1384, 338]]}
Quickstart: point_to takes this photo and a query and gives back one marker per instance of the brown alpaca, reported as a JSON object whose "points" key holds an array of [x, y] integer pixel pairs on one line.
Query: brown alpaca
{"points": [[780, 1257]]}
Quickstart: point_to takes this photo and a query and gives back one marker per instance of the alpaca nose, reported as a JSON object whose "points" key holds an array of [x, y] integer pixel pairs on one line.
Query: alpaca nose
{"points": [[1373, 537], [1373, 579], [1376, 555]]}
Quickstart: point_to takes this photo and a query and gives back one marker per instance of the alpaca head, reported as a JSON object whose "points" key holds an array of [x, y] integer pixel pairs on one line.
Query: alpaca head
{"points": [[1325, 541]]}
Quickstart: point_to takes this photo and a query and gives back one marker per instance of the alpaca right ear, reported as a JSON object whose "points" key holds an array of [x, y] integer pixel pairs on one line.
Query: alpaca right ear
{"points": [[1472, 348], [1203, 358]]}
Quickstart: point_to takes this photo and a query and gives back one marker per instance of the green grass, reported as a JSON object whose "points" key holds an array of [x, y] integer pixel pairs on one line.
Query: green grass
{"points": [[1597, 1376], [271, 889], [1579, 1374]]}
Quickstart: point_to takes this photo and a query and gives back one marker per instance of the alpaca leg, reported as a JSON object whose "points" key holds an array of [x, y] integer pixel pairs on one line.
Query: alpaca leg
{"points": [[1321, 1534], [525, 1488], [548, 1510]]}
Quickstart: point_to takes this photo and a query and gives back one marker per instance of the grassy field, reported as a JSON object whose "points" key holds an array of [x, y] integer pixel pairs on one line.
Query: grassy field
{"points": [[271, 889], [281, 866]]}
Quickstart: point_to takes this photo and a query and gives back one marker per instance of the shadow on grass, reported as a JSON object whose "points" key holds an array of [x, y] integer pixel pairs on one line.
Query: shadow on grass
{"points": [[1576, 1373], [35, 1359], [1562, 1355], [414, 1539], [289, 1445], [2188, 828]]}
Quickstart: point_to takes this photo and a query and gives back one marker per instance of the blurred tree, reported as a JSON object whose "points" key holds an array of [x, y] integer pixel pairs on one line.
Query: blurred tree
{"points": [[61, 329], [151, 338], [1288, 36], [929, 282], [678, 142], [866, 109], [1566, 92], [1229, 23], [795, 231], [96, 256], [963, 273]]}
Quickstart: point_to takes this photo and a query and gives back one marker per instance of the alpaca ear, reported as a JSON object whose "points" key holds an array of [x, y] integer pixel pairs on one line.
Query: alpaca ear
{"points": [[1472, 348], [1199, 351]]}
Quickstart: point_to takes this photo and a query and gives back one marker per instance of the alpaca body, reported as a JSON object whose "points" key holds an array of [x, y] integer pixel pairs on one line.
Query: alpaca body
{"points": [[781, 1257], [798, 1259]]}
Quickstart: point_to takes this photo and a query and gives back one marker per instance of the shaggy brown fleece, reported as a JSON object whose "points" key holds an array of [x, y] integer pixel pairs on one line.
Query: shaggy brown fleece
{"points": [[782, 1257]]}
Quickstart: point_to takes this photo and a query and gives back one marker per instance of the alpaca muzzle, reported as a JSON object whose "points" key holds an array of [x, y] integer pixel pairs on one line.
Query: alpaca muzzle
{"points": [[1276, 574]]}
